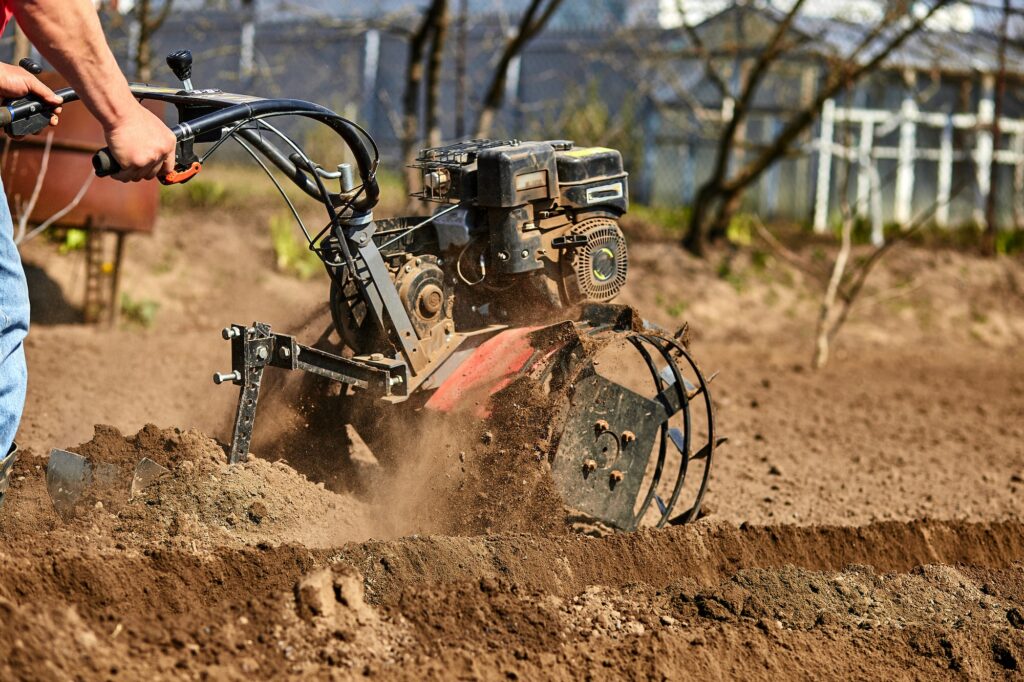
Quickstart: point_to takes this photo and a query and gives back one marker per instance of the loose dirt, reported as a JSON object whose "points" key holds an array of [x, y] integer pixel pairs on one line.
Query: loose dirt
{"points": [[864, 521]]}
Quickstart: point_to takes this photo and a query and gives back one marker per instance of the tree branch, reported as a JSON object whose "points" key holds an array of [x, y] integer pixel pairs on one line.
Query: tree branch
{"points": [[529, 26]]}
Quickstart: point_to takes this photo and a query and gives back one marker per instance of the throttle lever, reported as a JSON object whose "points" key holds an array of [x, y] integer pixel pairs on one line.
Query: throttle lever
{"points": [[104, 163], [181, 174]]}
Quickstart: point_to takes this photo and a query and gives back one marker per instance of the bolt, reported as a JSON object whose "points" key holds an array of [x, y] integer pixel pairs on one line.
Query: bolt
{"points": [[262, 353], [229, 333], [525, 253], [377, 357], [590, 465], [628, 437], [503, 255], [396, 381], [616, 476], [601, 426], [284, 352], [224, 377], [408, 269]]}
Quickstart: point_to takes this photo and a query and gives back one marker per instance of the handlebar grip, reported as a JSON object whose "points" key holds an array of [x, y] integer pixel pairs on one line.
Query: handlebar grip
{"points": [[104, 163]]}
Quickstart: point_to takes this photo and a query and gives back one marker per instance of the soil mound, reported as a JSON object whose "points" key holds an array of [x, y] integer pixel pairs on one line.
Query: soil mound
{"points": [[201, 500]]}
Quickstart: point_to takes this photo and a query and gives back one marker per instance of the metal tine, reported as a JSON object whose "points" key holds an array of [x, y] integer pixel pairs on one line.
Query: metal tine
{"points": [[670, 379], [691, 390], [676, 436], [682, 518], [706, 451], [146, 472]]}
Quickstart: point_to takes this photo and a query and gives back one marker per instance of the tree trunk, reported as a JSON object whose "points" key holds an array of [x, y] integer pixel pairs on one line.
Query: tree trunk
{"points": [[411, 98], [695, 240], [530, 25], [434, 135], [144, 48], [728, 206], [991, 201], [460, 70]]}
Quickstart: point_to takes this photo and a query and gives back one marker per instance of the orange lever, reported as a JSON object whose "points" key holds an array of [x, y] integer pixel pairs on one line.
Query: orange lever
{"points": [[177, 177]]}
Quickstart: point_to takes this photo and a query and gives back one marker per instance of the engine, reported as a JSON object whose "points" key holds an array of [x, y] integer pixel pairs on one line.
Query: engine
{"points": [[525, 227]]}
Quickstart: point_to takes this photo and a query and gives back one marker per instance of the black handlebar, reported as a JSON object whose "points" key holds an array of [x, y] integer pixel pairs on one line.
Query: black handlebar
{"points": [[23, 116], [104, 163]]}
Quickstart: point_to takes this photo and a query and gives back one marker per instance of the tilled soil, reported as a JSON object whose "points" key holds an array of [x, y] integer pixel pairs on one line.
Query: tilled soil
{"points": [[863, 521]]}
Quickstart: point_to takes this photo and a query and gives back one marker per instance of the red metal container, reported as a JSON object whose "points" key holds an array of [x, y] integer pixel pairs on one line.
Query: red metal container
{"points": [[107, 203]]}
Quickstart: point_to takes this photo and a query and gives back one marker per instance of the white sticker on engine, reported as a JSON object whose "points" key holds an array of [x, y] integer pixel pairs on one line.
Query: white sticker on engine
{"points": [[604, 193]]}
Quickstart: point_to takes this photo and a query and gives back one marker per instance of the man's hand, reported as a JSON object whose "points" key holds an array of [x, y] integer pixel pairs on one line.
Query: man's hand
{"points": [[16, 82], [142, 145]]}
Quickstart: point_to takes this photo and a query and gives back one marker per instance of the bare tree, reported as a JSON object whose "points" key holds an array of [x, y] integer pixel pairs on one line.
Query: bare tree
{"points": [[718, 198], [434, 62], [433, 28], [842, 282], [148, 20], [533, 21]]}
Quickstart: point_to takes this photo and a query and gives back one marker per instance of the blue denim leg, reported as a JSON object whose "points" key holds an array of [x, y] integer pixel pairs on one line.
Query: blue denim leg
{"points": [[14, 312]]}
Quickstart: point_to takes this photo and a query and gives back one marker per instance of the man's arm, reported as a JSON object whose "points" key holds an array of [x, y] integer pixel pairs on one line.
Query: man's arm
{"points": [[69, 35]]}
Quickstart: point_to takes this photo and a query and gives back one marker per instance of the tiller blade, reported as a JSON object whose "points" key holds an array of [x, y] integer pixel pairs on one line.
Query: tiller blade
{"points": [[146, 472], [639, 425], [70, 478]]}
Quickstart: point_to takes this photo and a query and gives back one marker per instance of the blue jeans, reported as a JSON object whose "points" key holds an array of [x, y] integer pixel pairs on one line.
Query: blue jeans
{"points": [[13, 328]]}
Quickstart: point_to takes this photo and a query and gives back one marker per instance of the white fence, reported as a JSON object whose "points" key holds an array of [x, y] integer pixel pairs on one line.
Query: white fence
{"points": [[874, 124]]}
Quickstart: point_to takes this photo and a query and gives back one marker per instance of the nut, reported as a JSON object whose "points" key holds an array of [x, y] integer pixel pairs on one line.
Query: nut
{"points": [[628, 437], [601, 426], [590, 465], [616, 476]]}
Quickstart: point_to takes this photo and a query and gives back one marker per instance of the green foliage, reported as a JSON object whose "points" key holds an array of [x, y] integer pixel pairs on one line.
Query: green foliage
{"points": [[196, 193], [673, 308], [74, 240], [204, 193], [141, 312], [670, 219], [293, 254], [740, 230], [734, 277], [1009, 242]]}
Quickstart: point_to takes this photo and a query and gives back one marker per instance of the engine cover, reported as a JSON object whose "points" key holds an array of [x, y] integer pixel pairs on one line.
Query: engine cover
{"points": [[596, 270]]}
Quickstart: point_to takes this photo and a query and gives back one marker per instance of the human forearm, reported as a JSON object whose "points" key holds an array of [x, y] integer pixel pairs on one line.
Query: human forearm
{"points": [[69, 35]]}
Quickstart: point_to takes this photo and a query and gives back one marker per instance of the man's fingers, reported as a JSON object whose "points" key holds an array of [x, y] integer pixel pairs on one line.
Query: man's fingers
{"points": [[153, 170], [167, 166], [37, 87]]}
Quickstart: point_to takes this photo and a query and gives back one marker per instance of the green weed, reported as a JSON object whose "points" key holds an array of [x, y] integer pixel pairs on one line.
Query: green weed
{"points": [[74, 240], [141, 312], [293, 254]]}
